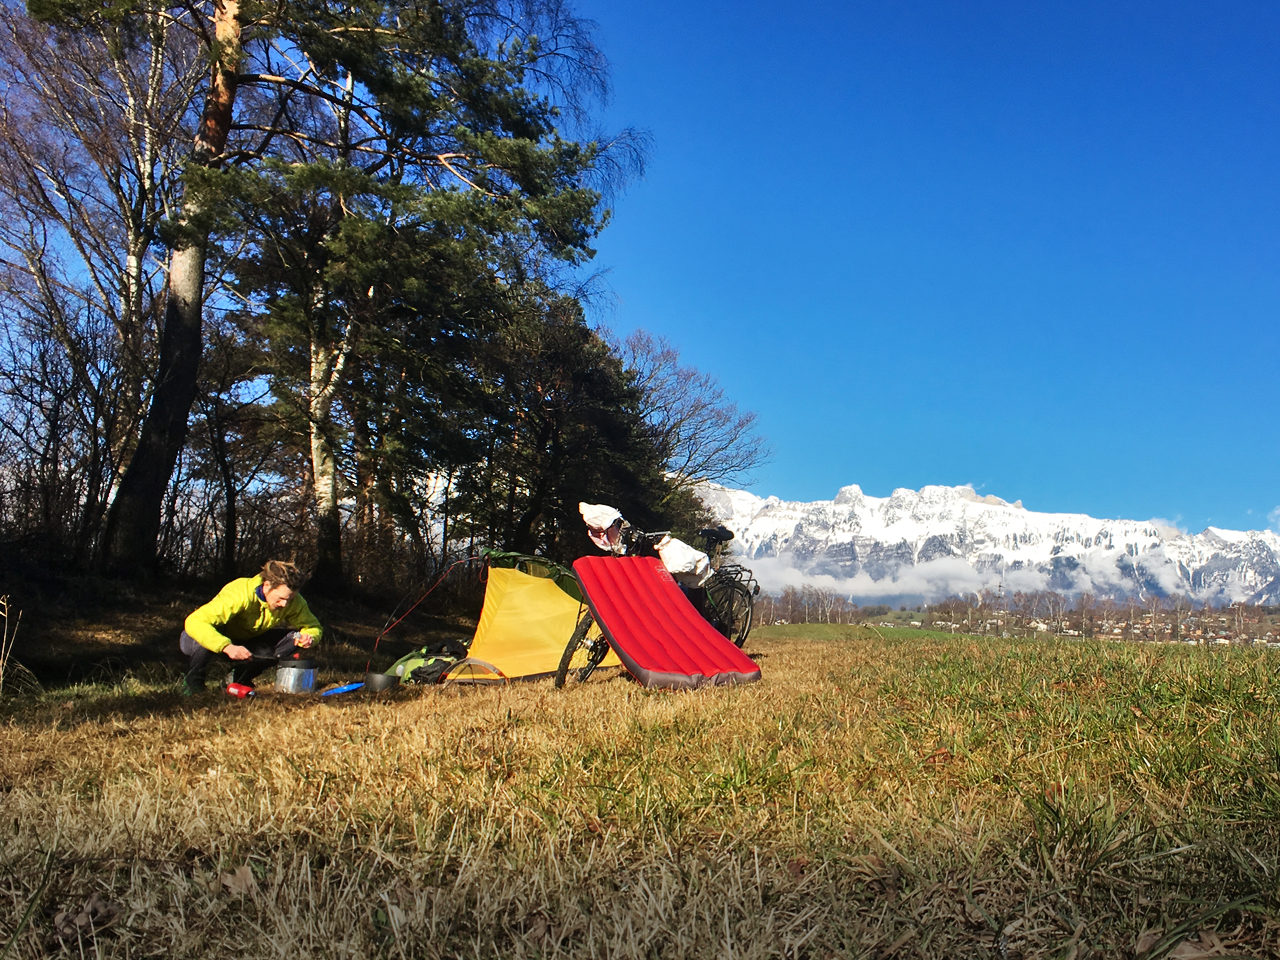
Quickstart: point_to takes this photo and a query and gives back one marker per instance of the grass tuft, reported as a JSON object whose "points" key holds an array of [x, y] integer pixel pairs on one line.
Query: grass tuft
{"points": [[14, 677]]}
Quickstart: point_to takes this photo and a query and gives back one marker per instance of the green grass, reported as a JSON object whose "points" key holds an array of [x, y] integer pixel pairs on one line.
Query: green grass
{"points": [[880, 793]]}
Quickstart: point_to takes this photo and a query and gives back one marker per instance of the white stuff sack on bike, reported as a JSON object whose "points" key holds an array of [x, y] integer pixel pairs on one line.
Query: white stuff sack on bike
{"points": [[604, 525], [687, 565]]}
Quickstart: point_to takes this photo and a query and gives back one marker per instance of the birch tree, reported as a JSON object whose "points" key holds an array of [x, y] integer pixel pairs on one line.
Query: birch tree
{"points": [[88, 172]]}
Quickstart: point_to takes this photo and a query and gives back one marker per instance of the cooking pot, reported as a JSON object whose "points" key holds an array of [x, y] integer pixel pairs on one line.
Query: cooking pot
{"points": [[380, 681], [296, 676]]}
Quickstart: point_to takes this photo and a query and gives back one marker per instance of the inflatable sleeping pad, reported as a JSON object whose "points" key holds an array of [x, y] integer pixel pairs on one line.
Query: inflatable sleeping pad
{"points": [[654, 629]]}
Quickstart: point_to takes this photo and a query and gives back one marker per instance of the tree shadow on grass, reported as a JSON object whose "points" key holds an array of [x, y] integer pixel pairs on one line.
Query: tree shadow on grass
{"points": [[89, 636]]}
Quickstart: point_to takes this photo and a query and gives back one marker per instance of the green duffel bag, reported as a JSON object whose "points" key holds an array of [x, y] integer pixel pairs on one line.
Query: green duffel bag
{"points": [[428, 664]]}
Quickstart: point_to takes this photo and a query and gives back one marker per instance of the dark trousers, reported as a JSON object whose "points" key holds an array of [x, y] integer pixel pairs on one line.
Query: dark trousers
{"points": [[267, 648]]}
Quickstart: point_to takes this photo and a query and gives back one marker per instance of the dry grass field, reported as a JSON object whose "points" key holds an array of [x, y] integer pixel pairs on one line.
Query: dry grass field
{"points": [[878, 794]]}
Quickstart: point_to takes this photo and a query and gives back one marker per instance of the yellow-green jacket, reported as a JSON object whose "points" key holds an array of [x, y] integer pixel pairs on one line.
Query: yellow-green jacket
{"points": [[237, 614]]}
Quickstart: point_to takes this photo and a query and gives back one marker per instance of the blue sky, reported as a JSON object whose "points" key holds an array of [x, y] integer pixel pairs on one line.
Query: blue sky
{"points": [[1033, 248]]}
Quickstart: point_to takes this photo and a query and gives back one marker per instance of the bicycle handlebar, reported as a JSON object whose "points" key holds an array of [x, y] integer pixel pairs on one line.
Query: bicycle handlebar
{"points": [[633, 537]]}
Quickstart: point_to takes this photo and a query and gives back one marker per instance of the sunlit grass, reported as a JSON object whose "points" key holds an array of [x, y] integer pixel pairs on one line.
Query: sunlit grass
{"points": [[878, 793]]}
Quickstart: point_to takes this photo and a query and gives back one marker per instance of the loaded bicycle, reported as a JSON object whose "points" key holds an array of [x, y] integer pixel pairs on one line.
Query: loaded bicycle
{"points": [[729, 595], [725, 599]]}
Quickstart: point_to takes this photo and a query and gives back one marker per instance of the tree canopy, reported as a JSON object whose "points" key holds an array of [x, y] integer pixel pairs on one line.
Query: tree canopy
{"points": [[315, 290]]}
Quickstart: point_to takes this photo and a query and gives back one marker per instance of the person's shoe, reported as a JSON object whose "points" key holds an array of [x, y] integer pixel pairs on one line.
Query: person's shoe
{"points": [[192, 688]]}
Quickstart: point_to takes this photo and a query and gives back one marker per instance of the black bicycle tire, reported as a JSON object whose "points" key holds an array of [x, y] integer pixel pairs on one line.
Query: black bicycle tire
{"points": [[579, 640], [721, 594]]}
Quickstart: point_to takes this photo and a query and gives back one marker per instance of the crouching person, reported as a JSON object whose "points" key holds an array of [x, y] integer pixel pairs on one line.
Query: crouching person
{"points": [[252, 623]]}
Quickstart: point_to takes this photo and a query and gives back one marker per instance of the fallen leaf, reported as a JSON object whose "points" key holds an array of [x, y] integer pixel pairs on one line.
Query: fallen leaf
{"points": [[1146, 940], [1206, 944], [537, 927], [96, 915], [240, 882]]}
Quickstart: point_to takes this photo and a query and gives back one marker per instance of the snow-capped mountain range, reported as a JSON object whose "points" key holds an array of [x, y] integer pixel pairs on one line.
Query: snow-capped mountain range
{"points": [[943, 541]]}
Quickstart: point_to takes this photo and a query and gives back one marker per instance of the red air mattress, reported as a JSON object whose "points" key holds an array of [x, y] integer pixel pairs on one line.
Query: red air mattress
{"points": [[656, 632]]}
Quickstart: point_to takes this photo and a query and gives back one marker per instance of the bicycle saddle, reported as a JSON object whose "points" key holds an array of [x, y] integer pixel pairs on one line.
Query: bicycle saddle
{"points": [[720, 534]]}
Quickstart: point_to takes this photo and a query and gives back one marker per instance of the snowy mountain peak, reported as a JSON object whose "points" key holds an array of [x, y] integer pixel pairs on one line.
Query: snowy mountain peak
{"points": [[849, 494], [939, 541]]}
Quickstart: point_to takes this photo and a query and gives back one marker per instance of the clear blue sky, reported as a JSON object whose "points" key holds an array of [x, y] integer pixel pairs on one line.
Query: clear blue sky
{"points": [[1032, 247]]}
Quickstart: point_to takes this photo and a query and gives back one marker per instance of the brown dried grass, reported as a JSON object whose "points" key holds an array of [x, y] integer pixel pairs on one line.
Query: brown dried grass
{"points": [[871, 797]]}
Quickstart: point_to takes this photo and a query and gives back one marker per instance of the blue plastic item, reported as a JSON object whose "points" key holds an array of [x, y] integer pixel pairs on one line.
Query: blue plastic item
{"points": [[345, 688]]}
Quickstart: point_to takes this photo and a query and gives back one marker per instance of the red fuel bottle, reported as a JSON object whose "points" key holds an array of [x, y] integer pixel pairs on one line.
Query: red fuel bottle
{"points": [[240, 690]]}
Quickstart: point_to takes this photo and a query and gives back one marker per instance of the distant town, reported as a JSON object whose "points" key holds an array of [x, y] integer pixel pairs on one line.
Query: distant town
{"points": [[1151, 619]]}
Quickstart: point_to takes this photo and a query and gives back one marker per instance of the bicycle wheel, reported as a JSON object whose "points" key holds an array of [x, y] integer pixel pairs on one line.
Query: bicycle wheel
{"points": [[581, 656], [729, 605]]}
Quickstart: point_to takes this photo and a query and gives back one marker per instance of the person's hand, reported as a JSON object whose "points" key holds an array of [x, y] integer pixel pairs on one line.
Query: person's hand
{"points": [[237, 652], [303, 640]]}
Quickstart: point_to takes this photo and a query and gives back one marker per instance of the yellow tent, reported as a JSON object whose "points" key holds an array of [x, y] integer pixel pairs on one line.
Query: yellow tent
{"points": [[525, 624]]}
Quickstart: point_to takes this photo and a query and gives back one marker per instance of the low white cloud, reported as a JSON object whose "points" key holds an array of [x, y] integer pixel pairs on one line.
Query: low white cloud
{"points": [[1164, 571], [932, 580], [1274, 518], [1099, 573], [1026, 581]]}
